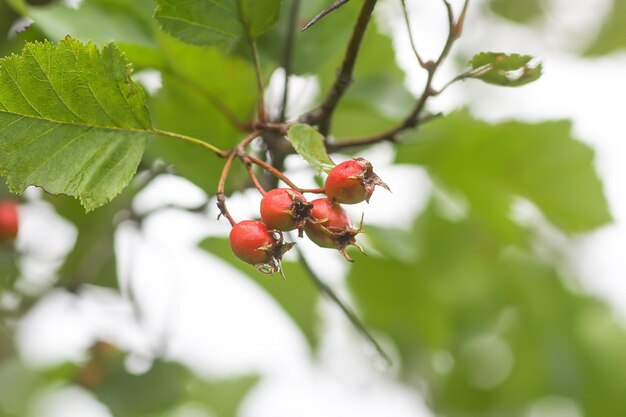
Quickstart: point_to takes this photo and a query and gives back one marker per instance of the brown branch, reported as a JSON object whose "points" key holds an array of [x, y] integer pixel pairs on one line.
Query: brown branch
{"points": [[288, 57], [390, 135], [408, 26], [324, 12], [323, 115], [221, 200], [259, 80], [282, 176], [251, 174], [414, 119]]}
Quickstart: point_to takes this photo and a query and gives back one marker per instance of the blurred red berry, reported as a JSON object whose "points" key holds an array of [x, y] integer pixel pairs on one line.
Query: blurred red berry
{"points": [[9, 221]]}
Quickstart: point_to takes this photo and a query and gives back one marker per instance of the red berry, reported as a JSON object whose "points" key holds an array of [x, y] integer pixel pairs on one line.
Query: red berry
{"points": [[352, 182], [253, 243], [285, 209], [9, 223], [331, 227]]}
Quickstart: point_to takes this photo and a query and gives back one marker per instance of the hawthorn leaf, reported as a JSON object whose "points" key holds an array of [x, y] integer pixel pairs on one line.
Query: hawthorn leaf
{"points": [[506, 70], [309, 143], [72, 121], [217, 22]]}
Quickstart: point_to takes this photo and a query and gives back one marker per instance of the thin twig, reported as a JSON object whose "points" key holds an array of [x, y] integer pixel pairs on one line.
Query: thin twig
{"points": [[288, 57], [192, 140], [221, 200], [324, 12], [414, 118], [252, 175], [282, 176], [259, 80], [385, 136], [323, 115], [408, 26], [351, 315]]}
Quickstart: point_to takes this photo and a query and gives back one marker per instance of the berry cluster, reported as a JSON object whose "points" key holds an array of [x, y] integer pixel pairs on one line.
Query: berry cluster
{"points": [[325, 222]]}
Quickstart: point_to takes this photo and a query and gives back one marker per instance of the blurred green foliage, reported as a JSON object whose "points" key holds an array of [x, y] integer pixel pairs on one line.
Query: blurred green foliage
{"points": [[484, 323]]}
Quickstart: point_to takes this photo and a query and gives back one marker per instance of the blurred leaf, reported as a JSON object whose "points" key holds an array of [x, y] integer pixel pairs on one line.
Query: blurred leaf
{"points": [[128, 23], [7, 17], [98, 21], [219, 22], [518, 11], [298, 296], [309, 143], [18, 386], [492, 164], [488, 328], [222, 397], [308, 56], [503, 69], [612, 36], [127, 395], [196, 83], [9, 271], [77, 126]]}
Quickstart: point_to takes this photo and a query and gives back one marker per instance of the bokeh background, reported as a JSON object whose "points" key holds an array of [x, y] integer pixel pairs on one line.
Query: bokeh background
{"points": [[495, 275]]}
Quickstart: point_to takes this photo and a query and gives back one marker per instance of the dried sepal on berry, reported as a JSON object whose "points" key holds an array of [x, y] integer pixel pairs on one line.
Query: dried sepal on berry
{"points": [[285, 209], [332, 227], [252, 242]]}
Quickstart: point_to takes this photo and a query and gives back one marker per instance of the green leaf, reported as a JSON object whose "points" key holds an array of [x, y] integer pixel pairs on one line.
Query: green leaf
{"points": [[503, 69], [612, 35], [71, 121], [99, 21], [518, 11], [128, 23], [217, 22], [309, 143], [491, 164], [298, 296]]}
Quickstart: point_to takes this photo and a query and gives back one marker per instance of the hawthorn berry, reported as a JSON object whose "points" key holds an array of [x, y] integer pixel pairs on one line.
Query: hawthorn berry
{"points": [[331, 227], [285, 209], [252, 242], [9, 221], [352, 182]]}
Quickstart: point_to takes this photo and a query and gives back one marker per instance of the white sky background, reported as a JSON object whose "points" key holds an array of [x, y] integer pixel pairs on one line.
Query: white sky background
{"points": [[220, 324]]}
